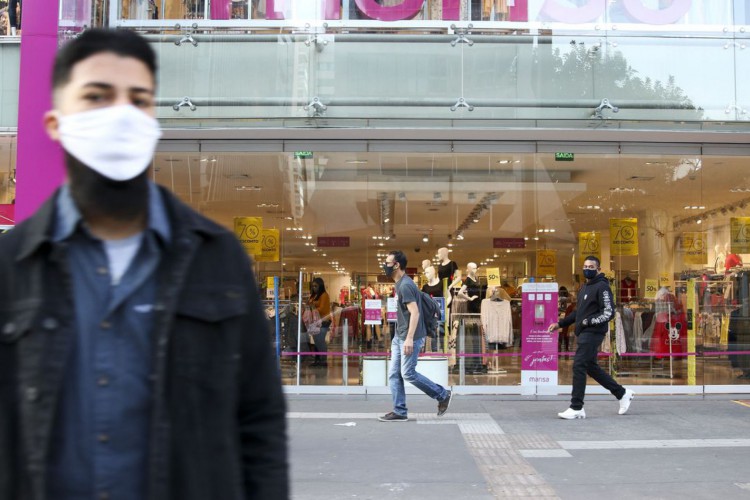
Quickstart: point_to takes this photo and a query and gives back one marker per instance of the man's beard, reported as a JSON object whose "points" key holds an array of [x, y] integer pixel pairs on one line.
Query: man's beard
{"points": [[96, 195]]}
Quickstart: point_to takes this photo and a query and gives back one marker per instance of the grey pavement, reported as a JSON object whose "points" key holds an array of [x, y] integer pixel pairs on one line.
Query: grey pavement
{"points": [[489, 447]]}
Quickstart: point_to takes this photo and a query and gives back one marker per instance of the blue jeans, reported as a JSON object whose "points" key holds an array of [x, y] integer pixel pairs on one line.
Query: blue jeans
{"points": [[405, 368]]}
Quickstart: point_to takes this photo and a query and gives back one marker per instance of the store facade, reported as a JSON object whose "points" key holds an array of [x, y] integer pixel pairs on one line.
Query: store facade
{"points": [[520, 136]]}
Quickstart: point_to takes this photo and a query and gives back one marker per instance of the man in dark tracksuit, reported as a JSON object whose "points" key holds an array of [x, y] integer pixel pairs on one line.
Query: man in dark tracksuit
{"points": [[596, 307]]}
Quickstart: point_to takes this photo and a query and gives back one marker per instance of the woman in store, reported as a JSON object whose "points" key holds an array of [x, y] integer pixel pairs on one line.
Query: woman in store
{"points": [[320, 300]]}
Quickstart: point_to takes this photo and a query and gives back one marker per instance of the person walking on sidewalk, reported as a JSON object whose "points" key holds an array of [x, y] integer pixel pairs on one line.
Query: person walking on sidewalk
{"points": [[596, 307], [406, 344]]}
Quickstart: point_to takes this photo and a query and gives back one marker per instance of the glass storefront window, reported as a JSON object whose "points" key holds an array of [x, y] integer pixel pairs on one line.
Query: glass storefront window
{"points": [[7, 171], [670, 231], [578, 81]]}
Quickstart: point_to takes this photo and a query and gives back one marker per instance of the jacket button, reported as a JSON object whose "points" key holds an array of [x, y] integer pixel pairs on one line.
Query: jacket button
{"points": [[32, 394], [49, 323], [9, 328]]}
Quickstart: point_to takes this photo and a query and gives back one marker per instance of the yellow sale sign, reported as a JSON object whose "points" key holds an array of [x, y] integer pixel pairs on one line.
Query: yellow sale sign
{"points": [[693, 247], [493, 276], [269, 246], [249, 231], [546, 262], [740, 234], [589, 244], [623, 237]]}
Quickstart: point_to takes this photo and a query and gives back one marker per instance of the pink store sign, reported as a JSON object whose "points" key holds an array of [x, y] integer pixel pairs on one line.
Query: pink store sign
{"points": [[538, 346], [373, 312], [561, 11]]}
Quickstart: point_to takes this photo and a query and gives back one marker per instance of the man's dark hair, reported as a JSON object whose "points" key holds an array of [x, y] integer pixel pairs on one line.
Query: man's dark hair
{"points": [[398, 256], [95, 41], [595, 259]]}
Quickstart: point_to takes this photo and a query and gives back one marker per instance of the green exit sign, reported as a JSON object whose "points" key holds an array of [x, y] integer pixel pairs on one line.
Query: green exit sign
{"points": [[303, 154], [564, 156]]}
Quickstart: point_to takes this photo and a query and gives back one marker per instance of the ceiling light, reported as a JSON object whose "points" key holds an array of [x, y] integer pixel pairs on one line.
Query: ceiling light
{"points": [[425, 238], [387, 219], [699, 221], [503, 162], [460, 237], [356, 162]]}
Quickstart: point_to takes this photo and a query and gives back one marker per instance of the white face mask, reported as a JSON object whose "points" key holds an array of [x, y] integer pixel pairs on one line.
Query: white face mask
{"points": [[118, 141]]}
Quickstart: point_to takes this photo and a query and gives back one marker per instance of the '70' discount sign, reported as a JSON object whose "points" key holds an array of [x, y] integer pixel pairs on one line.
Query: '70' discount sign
{"points": [[740, 230]]}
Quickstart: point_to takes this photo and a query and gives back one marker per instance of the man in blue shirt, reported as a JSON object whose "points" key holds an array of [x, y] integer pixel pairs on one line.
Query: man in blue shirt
{"points": [[135, 360], [407, 343]]}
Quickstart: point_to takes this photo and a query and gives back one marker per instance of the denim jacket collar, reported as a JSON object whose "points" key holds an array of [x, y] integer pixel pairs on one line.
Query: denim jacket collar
{"points": [[41, 225]]}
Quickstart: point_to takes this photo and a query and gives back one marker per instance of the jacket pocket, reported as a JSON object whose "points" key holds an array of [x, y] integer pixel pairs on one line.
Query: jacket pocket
{"points": [[15, 323], [212, 303], [206, 333]]}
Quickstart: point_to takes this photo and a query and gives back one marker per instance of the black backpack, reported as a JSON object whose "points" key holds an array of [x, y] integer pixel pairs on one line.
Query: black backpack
{"points": [[429, 314]]}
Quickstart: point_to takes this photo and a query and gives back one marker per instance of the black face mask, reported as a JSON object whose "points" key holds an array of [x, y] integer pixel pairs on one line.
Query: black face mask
{"points": [[388, 270], [590, 273], [94, 193]]}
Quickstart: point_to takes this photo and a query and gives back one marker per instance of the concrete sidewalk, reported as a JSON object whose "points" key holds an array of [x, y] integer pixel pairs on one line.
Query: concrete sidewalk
{"points": [[490, 447]]}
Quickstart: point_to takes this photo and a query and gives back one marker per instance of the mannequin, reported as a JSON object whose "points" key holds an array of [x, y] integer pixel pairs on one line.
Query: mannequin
{"points": [[732, 259], [470, 290], [454, 287], [425, 264], [474, 342], [720, 258], [434, 288], [446, 267]]}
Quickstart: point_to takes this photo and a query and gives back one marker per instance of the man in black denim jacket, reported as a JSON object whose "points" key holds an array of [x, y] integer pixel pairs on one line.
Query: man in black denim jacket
{"points": [[187, 344], [596, 308]]}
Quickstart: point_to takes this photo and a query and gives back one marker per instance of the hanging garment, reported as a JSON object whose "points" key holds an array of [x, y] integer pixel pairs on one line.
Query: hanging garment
{"points": [[620, 345], [497, 321], [669, 335]]}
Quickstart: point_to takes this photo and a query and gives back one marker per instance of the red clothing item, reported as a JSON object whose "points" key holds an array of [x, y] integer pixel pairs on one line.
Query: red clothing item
{"points": [[661, 340], [627, 290], [732, 260]]}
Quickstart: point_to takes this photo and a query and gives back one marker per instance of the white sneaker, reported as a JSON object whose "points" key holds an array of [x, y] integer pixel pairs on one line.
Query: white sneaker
{"points": [[571, 414], [625, 401]]}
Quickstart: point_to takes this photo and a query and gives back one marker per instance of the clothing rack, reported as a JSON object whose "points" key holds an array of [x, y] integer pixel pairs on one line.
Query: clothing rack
{"points": [[462, 317]]}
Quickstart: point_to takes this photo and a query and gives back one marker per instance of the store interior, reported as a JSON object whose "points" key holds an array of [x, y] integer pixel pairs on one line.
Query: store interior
{"points": [[482, 207], [338, 213]]}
